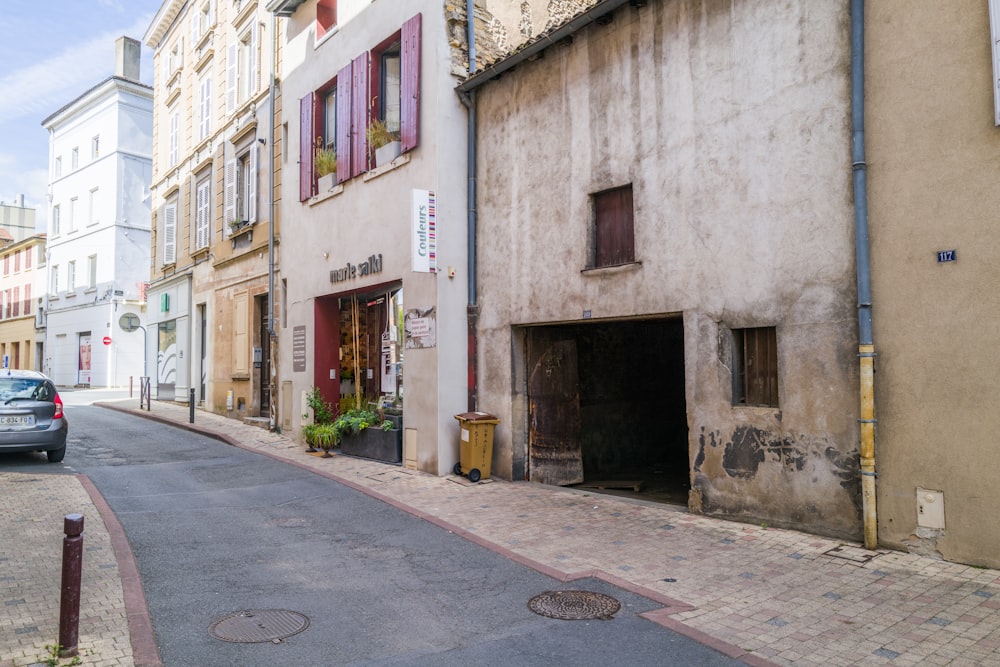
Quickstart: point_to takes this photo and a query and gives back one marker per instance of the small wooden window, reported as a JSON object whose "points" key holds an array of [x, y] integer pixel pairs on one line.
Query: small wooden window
{"points": [[755, 367], [614, 236]]}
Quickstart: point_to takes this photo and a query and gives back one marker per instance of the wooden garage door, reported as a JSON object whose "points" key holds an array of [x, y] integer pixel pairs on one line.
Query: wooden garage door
{"points": [[554, 450]]}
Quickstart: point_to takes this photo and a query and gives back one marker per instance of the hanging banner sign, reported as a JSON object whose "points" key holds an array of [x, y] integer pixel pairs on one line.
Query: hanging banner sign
{"points": [[424, 231]]}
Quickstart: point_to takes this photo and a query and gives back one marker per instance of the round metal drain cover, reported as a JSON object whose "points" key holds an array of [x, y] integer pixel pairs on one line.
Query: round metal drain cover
{"points": [[259, 625], [574, 605]]}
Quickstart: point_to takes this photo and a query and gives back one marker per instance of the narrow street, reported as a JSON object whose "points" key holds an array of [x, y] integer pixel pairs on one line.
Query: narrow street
{"points": [[218, 530]]}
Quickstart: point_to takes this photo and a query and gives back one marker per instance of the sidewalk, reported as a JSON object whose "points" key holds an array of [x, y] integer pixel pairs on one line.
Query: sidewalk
{"points": [[764, 595]]}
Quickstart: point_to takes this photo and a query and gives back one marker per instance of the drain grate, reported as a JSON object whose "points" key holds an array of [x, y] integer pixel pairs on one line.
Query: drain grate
{"points": [[259, 625], [574, 605]]}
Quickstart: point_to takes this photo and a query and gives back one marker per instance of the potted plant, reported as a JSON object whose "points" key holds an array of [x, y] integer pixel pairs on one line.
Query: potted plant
{"points": [[326, 438], [383, 141], [325, 162], [322, 415], [365, 433]]}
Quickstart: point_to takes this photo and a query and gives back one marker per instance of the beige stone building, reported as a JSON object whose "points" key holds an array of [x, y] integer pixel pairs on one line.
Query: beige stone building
{"points": [[933, 144], [214, 259], [665, 258]]}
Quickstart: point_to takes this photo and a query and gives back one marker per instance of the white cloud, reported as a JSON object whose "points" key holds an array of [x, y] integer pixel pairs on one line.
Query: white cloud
{"points": [[44, 87]]}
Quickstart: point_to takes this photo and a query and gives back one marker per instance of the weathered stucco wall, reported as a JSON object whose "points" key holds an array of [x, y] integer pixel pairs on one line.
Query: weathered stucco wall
{"points": [[731, 122], [934, 154]]}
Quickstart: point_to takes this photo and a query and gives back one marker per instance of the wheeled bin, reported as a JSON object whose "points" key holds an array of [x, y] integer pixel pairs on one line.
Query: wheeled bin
{"points": [[475, 447]]}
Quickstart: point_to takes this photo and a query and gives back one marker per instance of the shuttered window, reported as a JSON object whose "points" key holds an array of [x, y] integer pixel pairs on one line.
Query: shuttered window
{"points": [[170, 233], [755, 367], [614, 237], [994, 9], [382, 83], [173, 154], [203, 229], [205, 108]]}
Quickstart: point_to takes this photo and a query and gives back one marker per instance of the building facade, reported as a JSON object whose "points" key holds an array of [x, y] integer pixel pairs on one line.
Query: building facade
{"points": [[98, 229], [214, 241], [22, 286], [933, 149], [665, 259], [382, 226]]}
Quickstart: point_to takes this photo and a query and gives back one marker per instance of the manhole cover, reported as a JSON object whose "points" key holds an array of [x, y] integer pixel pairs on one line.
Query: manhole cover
{"points": [[259, 625], [574, 605]]}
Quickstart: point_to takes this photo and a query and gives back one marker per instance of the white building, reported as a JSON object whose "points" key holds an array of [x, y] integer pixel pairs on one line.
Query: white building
{"points": [[100, 148]]}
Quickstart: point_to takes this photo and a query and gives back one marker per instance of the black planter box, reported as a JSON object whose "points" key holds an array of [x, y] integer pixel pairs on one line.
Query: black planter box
{"points": [[374, 443]]}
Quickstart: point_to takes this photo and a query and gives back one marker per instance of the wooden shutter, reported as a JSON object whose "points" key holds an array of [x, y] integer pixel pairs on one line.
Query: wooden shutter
{"points": [[205, 108], [344, 103], [241, 338], [17, 301], [410, 85], [359, 114], [27, 298], [170, 233], [229, 193], [306, 106], [202, 212], [326, 17], [174, 139], [251, 194], [232, 77], [614, 241], [254, 74]]}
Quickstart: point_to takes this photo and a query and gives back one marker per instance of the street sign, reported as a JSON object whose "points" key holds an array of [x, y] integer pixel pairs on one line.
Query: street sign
{"points": [[129, 322], [107, 340]]}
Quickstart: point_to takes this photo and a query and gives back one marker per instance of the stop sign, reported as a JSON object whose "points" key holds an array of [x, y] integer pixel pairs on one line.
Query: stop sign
{"points": [[107, 340]]}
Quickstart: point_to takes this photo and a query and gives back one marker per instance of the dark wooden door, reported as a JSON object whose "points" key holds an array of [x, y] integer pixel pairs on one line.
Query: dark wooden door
{"points": [[554, 450]]}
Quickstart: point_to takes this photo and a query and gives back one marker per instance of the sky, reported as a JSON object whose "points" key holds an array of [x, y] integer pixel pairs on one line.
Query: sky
{"points": [[50, 54]]}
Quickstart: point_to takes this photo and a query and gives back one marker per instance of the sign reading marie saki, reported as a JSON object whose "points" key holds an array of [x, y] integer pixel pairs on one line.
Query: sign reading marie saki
{"points": [[424, 243]]}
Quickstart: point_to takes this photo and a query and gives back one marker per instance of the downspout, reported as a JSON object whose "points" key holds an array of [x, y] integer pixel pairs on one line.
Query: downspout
{"points": [[472, 310], [866, 346], [271, 333]]}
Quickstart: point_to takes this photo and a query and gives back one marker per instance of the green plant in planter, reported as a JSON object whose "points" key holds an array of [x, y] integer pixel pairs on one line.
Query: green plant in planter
{"points": [[379, 134], [325, 161], [326, 438], [353, 422], [387, 425], [309, 435]]}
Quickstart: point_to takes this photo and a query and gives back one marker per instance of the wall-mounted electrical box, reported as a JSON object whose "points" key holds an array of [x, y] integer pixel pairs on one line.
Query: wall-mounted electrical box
{"points": [[930, 509]]}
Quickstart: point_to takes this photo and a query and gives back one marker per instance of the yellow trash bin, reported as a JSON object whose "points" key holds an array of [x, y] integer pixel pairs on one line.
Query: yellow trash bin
{"points": [[475, 446]]}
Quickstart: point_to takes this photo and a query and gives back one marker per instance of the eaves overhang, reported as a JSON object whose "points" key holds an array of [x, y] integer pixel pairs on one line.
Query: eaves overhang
{"points": [[100, 91], [164, 18], [283, 7], [543, 41]]}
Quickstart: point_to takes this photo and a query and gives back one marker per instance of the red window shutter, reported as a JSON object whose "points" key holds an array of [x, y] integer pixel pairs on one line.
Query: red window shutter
{"points": [[409, 93], [326, 16], [306, 106], [17, 301], [27, 296], [615, 240], [359, 115], [344, 151]]}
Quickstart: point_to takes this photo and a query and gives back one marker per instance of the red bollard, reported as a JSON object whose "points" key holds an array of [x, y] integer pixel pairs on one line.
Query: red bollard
{"points": [[69, 602]]}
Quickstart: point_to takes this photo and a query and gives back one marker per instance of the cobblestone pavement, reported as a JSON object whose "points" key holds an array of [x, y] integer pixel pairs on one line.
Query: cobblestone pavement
{"points": [[764, 595], [32, 509]]}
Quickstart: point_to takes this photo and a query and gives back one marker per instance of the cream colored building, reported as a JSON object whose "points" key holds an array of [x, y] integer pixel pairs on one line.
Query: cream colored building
{"points": [[665, 259], [933, 137], [214, 233], [354, 243]]}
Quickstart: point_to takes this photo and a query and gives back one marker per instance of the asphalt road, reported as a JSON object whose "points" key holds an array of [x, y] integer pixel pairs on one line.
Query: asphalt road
{"points": [[217, 530]]}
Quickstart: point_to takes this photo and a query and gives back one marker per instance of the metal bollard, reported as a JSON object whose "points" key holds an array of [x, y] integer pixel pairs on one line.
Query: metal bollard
{"points": [[69, 602], [191, 407]]}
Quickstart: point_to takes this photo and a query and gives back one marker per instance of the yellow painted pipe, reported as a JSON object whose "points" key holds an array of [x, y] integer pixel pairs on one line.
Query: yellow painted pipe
{"points": [[866, 355]]}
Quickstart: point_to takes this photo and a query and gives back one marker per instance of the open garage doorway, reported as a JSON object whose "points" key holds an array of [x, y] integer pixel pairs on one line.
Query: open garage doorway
{"points": [[607, 409]]}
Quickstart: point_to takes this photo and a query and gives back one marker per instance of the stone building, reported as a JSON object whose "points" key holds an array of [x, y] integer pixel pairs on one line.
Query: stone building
{"points": [[215, 175], [665, 265]]}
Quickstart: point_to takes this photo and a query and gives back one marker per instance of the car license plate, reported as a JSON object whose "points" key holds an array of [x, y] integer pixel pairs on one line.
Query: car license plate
{"points": [[21, 420]]}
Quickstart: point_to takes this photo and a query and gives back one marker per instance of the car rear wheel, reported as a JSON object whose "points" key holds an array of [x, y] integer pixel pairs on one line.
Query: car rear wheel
{"points": [[56, 455]]}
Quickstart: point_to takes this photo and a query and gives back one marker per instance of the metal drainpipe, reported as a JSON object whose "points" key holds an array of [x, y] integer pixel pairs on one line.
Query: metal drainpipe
{"points": [[472, 311], [271, 333], [866, 347]]}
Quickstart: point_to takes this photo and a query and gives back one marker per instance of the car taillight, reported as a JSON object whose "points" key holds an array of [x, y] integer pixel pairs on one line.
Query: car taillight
{"points": [[59, 407]]}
